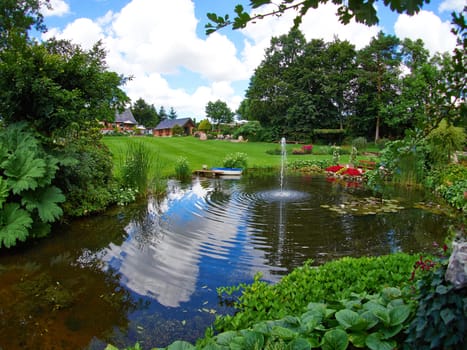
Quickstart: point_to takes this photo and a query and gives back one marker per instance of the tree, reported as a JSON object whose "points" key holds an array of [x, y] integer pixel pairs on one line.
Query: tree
{"points": [[379, 80], [363, 11], [57, 83], [219, 112], [204, 125], [145, 114], [17, 17], [162, 113], [172, 113], [271, 92]]}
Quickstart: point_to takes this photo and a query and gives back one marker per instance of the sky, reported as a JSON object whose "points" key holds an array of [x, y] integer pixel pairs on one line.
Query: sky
{"points": [[162, 44]]}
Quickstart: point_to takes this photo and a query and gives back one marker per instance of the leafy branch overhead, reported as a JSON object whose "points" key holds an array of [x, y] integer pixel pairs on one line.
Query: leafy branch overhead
{"points": [[362, 10]]}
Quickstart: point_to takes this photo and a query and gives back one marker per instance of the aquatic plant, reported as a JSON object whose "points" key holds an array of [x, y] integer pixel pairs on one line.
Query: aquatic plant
{"points": [[136, 167], [182, 169]]}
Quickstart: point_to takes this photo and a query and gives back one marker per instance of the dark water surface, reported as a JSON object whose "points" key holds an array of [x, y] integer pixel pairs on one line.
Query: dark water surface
{"points": [[149, 272]]}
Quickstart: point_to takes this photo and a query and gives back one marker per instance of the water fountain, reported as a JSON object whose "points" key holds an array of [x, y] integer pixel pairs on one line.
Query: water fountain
{"points": [[283, 162]]}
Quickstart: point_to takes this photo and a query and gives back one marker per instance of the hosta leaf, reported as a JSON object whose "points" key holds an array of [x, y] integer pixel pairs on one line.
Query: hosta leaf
{"points": [[299, 344], [336, 339], [283, 333], [253, 340], [23, 170], [225, 338], [399, 314], [45, 201], [180, 345], [358, 339], [374, 342], [14, 224], [351, 320]]}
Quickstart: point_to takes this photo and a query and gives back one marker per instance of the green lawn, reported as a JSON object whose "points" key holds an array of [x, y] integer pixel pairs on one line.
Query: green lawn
{"points": [[211, 152]]}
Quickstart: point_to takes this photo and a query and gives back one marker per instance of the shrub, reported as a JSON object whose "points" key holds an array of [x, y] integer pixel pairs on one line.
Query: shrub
{"points": [[440, 321], [330, 282], [236, 160], [298, 151], [360, 143]]}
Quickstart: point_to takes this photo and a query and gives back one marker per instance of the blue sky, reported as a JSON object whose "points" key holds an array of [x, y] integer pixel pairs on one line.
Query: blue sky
{"points": [[161, 43]]}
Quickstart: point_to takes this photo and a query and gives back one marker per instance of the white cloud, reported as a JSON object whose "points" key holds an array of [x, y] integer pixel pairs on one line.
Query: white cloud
{"points": [[452, 5], [57, 8], [427, 26], [156, 42]]}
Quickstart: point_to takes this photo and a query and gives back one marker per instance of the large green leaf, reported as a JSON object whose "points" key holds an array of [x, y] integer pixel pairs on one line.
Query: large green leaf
{"points": [[225, 338], [351, 320], [374, 342], [14, 224], [399, 314], [45, 201], [335, 339], [23, 170], [4, 190], [180, 345]]}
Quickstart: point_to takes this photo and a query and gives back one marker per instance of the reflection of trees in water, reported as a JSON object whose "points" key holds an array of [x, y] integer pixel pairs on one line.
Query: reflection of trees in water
{"points": [[59, 305]]}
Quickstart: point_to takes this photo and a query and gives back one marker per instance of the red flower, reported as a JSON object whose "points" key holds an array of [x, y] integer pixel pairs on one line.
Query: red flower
{"points": [[352, 172], [334, 168]]}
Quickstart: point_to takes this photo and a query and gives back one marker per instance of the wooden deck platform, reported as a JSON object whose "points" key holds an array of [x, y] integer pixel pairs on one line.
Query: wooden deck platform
{"points": [[207, 173]]}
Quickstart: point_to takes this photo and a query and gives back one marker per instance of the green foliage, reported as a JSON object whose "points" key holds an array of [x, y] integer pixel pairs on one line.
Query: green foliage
{"points": [[85, 175], [204, 125], [310, 165], [145, 114], [450, 183], [236, 160], [440, 321], [136, 167], [182, 169], [360, 10], [251, 131], [444, 140], [219, 112], [336, 150], [29, 202], [330, 282], [178, 130], [360, 143]]}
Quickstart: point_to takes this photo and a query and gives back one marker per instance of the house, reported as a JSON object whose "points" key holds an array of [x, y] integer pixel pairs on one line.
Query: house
{"points": [[165, 127], [124, 122]]}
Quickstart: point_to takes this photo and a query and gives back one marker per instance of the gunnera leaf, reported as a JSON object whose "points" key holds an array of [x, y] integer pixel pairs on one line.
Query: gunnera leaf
{"points": [[45, 201], [14, 224], [23, 170]]}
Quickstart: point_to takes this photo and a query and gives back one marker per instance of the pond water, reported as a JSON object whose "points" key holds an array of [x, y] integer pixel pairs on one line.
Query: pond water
{"points": [[149, 272]]}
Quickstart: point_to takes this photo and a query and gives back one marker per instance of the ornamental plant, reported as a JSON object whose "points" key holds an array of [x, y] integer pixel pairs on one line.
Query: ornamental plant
{"points": [[236, 160], [29, 203]]}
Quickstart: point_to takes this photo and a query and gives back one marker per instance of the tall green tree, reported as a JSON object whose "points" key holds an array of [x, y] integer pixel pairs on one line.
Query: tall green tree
{"points": [[219, 112], [172, 113], [162, 113], [379, 81], [17, 17], [145, 113], [271, 89]]}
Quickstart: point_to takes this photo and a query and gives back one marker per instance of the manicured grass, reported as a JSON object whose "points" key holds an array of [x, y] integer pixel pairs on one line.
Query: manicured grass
{"points": [[166, 150]]}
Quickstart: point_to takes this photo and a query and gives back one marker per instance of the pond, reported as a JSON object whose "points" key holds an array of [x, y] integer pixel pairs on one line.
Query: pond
{"points": [[148, 272]]}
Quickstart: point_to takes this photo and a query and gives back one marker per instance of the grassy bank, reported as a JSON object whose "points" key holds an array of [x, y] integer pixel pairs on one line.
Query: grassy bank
{"points": [[210, 152]]}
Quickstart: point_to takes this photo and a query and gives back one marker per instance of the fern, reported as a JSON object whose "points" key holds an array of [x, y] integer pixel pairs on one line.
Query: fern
{"points": [[14, 224]]}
